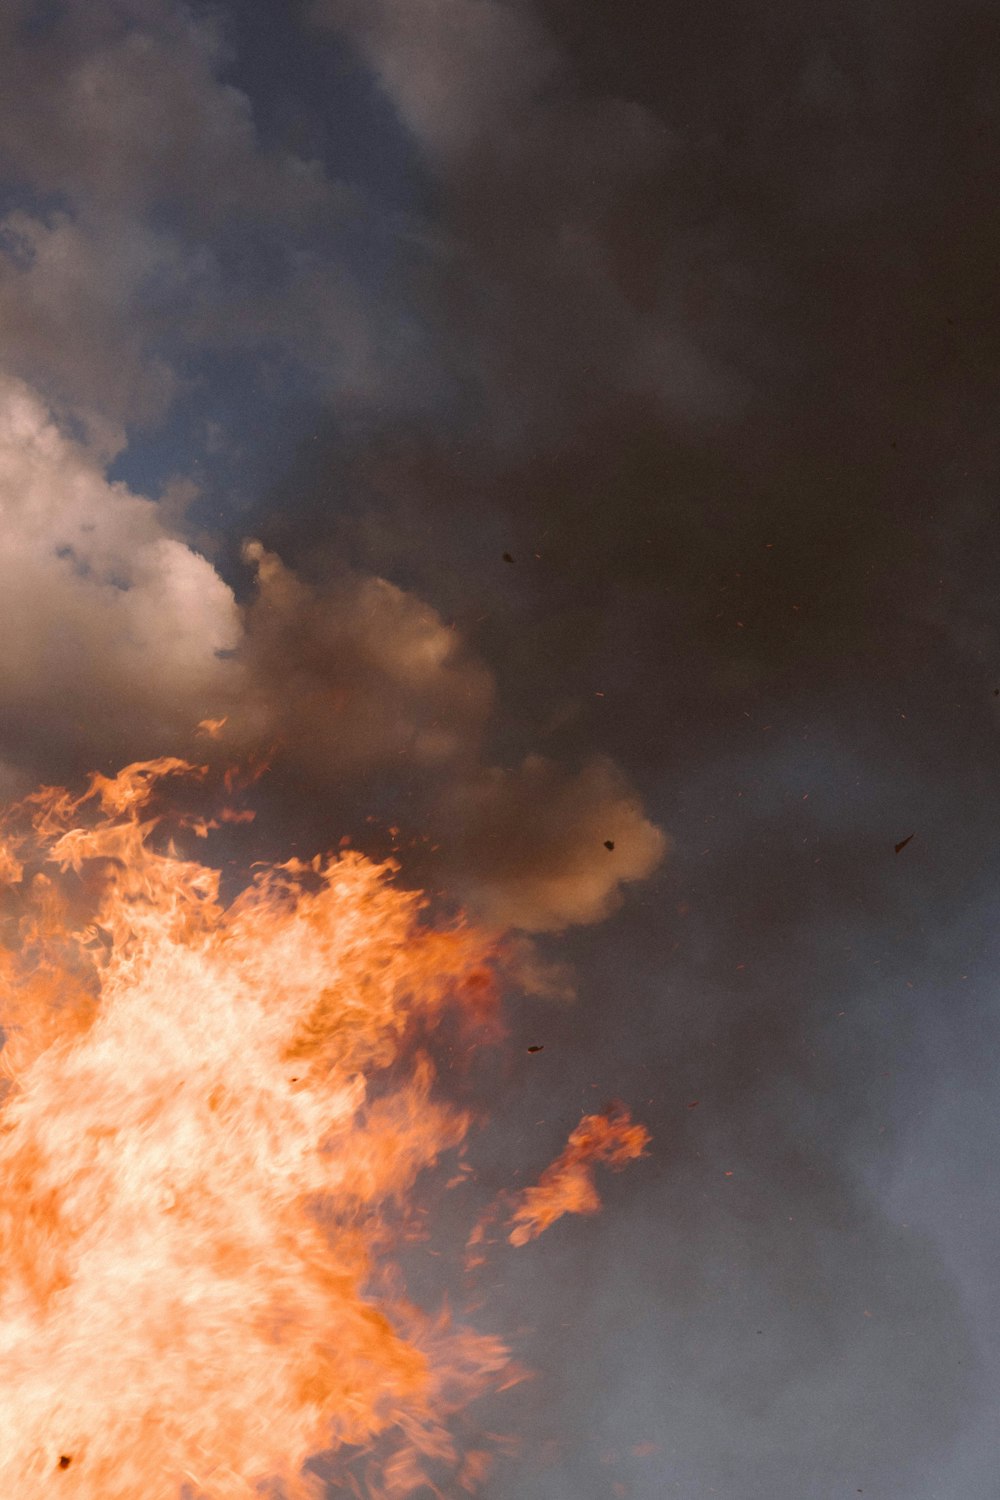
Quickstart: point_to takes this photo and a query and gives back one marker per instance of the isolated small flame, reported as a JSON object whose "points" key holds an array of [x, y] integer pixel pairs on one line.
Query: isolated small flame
{"points": [[214, 1118], [567, 1186]]}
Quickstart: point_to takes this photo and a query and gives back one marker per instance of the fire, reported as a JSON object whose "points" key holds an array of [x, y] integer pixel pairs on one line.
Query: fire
{"points": [[215, 1116], [567, 1186]]}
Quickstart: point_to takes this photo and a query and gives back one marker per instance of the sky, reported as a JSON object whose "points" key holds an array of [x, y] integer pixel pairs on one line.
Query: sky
{"points": [[545, 424]]}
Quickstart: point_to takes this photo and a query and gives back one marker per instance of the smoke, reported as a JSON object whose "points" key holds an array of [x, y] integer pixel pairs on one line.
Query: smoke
{"points": [[564, 289], [122, 639], [463, 76], [127, 216], [541, 848], [124, 635], [357, 675]]}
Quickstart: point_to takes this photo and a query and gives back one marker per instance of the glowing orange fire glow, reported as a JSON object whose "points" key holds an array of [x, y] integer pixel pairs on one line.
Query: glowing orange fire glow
{"points": [[215, 1115], [567, 1186]]}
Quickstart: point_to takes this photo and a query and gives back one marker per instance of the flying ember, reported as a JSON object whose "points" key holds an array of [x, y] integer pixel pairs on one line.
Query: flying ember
{"points": [[215, 1115]]}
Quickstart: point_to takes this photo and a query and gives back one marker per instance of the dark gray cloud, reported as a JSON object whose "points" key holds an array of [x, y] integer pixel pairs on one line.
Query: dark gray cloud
{"points": [[544, 185]]}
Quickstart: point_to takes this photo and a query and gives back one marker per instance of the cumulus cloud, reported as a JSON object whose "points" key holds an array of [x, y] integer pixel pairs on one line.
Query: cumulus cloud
{"points": [[529, 845], [112, 626]]}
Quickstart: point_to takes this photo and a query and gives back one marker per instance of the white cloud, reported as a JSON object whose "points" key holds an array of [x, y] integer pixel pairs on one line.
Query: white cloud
{"points": [[111, 625]]}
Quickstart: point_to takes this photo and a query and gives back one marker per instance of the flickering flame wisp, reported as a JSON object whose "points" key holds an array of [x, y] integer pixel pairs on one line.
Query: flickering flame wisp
{"points": [[567, 1186]]}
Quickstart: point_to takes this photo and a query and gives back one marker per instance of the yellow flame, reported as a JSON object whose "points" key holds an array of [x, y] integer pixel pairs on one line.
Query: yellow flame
{"points": [[194, 1182]]}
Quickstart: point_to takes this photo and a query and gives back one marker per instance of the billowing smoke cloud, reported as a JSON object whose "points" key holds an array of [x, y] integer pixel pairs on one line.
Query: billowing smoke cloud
{"points": [[356, 675], [564, 289], [122, 635], [362, 676], [121, 638], [463, 73], [128, 209], [541, 848]]}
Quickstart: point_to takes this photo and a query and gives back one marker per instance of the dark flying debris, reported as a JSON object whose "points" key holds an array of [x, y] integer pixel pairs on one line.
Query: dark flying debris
{"points": [[507, 557], [905, 842], [536, 1049], [609, 843], [65, 1462]]}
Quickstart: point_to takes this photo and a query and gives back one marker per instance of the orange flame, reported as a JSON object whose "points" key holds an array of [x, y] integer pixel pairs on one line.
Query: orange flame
{"points": [[212, 728], [214, 1117], [567, 1186]]}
